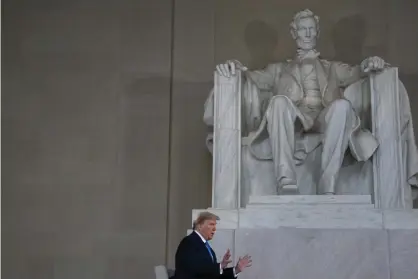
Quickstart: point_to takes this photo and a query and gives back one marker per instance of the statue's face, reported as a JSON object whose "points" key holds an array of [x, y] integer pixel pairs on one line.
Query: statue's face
{"points": [[306, 33]]}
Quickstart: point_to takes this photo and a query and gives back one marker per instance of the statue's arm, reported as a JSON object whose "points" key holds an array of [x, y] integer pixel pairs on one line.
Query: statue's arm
{"points": [[264, 79], [259, 87], [347, 74], [208, 110]]}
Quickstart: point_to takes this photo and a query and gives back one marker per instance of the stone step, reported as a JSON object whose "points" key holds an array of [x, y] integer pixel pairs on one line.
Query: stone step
{"points": [[334, 206], [311, 199], [311, 217], [314, 217], [297, 217]]}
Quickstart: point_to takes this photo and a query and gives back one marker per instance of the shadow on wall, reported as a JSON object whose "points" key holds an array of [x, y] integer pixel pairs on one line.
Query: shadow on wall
{"points": [[411, 84], [261, 40], [348, 38]]}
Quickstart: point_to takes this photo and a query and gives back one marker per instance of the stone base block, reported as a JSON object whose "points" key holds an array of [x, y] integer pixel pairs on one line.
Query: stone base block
{"points": [[327, 212], [296, 253], [312, 199], [319, 237], [314, 253]]}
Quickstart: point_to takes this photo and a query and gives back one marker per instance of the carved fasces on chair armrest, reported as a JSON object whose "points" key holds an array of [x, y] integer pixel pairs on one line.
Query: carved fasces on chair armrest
{"points": [[227, 99], [385, 105], [360, 96], [227, 142], [388, 161]]}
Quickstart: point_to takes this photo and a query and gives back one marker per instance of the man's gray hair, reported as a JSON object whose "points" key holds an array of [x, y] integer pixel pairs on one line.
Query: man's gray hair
{"points": [[203, 216], [303, 14]]}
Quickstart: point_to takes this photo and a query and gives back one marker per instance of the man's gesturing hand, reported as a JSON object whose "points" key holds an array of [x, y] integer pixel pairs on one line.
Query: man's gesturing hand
{"points": [[243, 263], [226, 259]]}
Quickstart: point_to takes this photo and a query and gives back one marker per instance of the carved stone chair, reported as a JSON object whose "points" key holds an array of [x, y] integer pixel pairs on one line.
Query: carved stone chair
{"points": [[382, 104], [161, 272]]}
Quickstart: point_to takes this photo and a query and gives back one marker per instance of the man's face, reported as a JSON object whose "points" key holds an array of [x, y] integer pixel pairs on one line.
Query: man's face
{"points": [[208, 229], [306, 33]]}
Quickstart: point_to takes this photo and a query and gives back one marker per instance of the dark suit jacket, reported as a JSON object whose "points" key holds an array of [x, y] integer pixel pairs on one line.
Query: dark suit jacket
{"points": [[193, 261]]}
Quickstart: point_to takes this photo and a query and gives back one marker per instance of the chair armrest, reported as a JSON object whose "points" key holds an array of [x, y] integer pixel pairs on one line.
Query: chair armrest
{"points": [[227, 142], [388, 161]]}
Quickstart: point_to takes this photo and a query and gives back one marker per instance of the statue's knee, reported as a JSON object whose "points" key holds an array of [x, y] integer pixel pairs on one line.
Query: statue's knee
{"points": [[280, 110], [342, 105], [279, 102]]}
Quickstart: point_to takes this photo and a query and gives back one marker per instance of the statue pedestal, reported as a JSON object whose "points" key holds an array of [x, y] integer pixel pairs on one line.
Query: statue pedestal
{"points": [[299, 237]]}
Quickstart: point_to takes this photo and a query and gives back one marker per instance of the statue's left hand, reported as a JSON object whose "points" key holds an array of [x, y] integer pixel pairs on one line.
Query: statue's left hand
{"points": [[373, 64]]}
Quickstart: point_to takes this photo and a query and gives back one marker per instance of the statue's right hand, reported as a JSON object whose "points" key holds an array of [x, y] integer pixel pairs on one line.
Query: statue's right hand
{"points": [[229, 68]]}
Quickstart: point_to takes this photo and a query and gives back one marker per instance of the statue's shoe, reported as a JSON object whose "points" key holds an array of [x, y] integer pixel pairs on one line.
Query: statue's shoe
{"points": [[284, 181], [289, 190], [288, 186]]}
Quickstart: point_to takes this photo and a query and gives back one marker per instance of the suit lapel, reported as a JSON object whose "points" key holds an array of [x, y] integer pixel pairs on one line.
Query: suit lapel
{"points": [[322, 72], [203, 246], [293, 70]]}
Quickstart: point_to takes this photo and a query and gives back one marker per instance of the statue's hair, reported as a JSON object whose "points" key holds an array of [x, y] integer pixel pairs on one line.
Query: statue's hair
{"points": [[303, 14], [203, 216]]}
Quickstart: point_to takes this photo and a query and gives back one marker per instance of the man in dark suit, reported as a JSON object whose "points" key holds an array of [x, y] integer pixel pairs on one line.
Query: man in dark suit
{"points": [[195, 259]]}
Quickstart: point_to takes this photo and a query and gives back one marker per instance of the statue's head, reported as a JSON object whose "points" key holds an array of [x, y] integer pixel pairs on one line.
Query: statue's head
{"points": [[305, 29]]}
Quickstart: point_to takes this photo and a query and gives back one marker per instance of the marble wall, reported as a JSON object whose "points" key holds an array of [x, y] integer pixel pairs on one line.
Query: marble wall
{"points": [[85, 125], [103, 139]]}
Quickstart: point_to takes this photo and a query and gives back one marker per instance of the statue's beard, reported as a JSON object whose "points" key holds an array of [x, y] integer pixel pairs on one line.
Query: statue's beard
{"points": [[306, 45]]}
